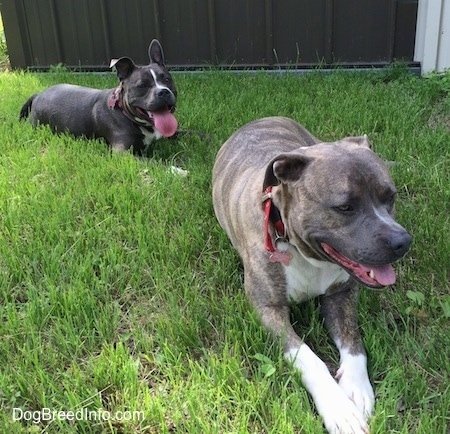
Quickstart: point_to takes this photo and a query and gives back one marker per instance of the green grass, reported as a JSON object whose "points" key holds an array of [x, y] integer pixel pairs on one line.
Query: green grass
{"points": [[119, 291]]}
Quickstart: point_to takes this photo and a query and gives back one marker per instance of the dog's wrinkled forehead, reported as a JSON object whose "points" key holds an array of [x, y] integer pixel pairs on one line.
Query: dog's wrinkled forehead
{"points": [[346, 166], [152, 72], [153, 75], [156, 69]]}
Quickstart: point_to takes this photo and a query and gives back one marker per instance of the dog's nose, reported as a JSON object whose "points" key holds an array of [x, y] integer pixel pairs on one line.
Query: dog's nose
{"points": [[399, 242], [163, 92]]}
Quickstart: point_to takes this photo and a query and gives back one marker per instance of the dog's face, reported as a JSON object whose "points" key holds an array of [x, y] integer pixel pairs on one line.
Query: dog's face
{"points": [[150, 88], [149, 92], [333, 212]]}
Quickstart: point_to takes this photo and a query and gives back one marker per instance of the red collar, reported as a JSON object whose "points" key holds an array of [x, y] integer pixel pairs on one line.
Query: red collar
{"points": [[272, 215]]}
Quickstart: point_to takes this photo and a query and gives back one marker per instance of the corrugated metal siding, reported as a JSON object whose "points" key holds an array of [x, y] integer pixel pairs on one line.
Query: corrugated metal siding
{"points": [[198, 33]]}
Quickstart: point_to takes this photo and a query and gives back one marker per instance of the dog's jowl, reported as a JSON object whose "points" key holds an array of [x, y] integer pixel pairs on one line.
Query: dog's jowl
{"points": [[138, 111], [311, 219]]}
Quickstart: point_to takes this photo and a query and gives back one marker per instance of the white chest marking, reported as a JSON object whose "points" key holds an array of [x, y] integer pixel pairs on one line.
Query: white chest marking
{"points": [[308, 278], [149, 137]]}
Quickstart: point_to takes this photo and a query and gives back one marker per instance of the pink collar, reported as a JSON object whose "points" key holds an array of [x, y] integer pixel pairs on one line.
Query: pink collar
{"points": [[115, 101]]}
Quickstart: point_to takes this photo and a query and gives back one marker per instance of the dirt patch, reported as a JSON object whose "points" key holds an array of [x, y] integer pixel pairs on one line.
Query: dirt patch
{"points": [[440, 114]]}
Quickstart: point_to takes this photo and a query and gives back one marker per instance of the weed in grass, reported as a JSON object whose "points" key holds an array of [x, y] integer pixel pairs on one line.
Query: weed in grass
{"points": [[118, 290]]}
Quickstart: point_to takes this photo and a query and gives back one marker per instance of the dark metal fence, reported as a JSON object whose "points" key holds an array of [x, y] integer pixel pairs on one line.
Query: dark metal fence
{"points": [[86, 34]]}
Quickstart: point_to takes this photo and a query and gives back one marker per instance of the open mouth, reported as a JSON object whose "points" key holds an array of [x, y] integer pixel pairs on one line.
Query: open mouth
{"points": [[375, 276], [163, 119]]}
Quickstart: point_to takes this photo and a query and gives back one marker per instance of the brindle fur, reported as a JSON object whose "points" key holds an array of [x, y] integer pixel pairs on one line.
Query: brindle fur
{"points": [[310, 181]]}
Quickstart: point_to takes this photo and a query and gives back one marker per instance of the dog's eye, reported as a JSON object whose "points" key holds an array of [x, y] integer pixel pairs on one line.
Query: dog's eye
{"points": [[142, 85], [388, 198], [344, 208], [391, 201]]}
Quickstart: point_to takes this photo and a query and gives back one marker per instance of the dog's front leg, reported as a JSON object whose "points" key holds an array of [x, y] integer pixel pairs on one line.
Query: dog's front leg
{"points": [[339, 413], [340, 315]]}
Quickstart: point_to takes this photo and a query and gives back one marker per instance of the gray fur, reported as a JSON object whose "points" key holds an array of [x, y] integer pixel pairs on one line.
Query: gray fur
{"points": [[87, 112]]}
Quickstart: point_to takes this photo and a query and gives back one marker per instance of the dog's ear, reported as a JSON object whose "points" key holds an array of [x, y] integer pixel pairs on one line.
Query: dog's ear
{"points": [[156, 53], [124, 67], [285, 168], [359, 140]]}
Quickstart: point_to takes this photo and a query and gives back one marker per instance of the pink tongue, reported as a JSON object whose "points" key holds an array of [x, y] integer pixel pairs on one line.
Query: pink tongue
{"points": [[165, 123], [384, 275]]}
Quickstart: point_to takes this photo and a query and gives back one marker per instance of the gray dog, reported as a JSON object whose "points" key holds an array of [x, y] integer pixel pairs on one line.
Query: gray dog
{"points": [[135, 113], [311, 219]]}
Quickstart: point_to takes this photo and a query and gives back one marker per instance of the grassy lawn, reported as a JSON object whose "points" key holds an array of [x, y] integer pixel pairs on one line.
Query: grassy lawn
{"points": [[120, 292]]}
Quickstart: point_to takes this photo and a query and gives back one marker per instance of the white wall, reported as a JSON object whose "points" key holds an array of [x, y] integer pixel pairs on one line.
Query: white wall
{"points": [[432, 47]]}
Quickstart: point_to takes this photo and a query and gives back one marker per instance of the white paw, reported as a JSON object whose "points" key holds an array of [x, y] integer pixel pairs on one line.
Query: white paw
{"points": [[339, 413], [354, 381]]}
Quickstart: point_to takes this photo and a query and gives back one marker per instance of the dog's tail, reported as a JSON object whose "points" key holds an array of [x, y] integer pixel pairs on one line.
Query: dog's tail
{"points": [[26, 108]]}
